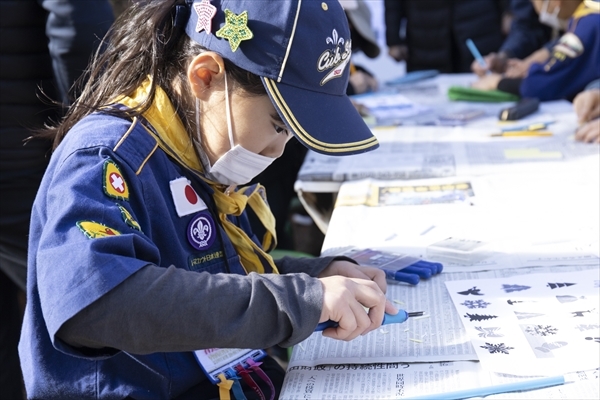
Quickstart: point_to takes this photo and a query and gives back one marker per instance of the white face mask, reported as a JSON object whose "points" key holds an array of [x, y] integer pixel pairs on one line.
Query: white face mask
{"points": [[552, 20], [238, 165]]}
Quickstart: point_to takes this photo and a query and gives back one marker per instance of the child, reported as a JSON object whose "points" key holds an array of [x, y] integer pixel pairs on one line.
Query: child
{"points": [[140, 249], [573, 62], [526, 34]]}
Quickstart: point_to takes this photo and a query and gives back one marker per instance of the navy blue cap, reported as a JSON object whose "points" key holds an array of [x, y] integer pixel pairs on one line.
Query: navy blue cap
{"points": [[301, 50]]}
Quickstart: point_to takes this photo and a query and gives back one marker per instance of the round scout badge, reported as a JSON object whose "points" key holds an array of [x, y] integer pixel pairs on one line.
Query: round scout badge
{"points": [[201, 231]]}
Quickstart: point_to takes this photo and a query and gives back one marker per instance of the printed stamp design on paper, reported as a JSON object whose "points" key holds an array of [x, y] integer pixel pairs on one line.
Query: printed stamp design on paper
{"points": [[499, 348]]}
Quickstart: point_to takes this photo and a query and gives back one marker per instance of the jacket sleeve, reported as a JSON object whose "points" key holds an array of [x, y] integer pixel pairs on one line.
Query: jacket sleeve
{"points": [[394, 13], [573, 64], [74, 29], [310, 266], [172, 310], [526, 34]]}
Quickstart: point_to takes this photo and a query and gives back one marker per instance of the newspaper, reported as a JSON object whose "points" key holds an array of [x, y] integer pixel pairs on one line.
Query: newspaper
{"points": [[440, 336], [387, 364], [407, 380]]}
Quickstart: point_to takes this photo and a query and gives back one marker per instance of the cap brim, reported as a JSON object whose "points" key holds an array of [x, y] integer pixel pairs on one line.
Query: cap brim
{"points": [[327, 124]]}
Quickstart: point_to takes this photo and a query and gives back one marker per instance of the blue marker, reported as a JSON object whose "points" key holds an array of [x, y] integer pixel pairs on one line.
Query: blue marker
{"points": [[387, 319], [400, 276], [419, 269], [476, 54], [435, 267]]}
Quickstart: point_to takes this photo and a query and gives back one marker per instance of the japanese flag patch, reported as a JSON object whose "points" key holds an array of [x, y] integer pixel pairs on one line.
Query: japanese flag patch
{"points": [[113, 182], [185, 197]]}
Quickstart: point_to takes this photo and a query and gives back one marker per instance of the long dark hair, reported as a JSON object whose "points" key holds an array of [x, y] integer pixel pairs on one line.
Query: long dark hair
{"points": [[144, 41]]}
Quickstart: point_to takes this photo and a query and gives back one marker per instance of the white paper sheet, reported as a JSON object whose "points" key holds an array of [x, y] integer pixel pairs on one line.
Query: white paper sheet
{"points": [[548, 323], [439, 337], [514, 215]]}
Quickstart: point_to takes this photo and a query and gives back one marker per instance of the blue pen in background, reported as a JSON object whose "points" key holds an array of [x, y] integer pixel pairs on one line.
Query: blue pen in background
{"points": [[397, 267], [414, 272], [477, 55]]}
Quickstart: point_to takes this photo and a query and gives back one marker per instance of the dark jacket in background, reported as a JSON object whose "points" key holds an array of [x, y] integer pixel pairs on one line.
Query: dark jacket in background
{"points": [[44, 46], [527, 33], [436, 30]]}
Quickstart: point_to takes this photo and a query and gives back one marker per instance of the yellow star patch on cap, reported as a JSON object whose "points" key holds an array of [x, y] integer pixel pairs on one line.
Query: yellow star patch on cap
{"points": [[95, 230], [128, 218], [235, 29], [113, 182]]}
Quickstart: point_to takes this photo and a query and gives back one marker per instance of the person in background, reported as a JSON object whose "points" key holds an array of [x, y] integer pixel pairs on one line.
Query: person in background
{"points": [[432, 34], [45, 46], [142, 259], [526, 35], [573, 63], [587, 108], [363, 39]]}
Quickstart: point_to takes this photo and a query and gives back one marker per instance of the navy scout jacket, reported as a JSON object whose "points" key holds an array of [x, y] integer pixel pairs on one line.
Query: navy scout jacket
{"points": [[126, 219]]}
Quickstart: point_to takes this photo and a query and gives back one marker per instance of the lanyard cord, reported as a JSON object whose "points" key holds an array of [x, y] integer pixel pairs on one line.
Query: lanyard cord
{"points": [[255, 366], [245, 374]]}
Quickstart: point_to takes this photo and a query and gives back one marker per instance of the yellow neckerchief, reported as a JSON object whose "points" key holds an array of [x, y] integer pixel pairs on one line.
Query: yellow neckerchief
{"points": [[593, 4], [174, 140], [586, 8]]}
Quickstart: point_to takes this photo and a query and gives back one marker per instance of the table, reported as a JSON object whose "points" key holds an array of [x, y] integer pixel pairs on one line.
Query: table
{"points": [[524, 205]]}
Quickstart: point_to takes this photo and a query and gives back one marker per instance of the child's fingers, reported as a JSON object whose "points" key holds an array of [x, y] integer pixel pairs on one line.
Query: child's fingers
{"points": [[345, 302], [390, 308], [589, 132], [376, 275], [371, 297]]}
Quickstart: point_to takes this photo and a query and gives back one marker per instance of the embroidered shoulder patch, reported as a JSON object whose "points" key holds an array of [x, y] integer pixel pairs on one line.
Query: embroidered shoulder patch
{"points": [[95, 230], [570, 45], [128, 218], [113, 181]]}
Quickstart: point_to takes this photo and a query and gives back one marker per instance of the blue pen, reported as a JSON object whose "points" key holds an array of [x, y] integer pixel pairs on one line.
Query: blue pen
{"points": [[529, 127], [528, 384], [387, 319], [476, 54]]}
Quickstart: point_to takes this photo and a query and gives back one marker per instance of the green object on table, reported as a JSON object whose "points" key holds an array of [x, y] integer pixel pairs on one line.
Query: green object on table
{"points": [[463, 93]]}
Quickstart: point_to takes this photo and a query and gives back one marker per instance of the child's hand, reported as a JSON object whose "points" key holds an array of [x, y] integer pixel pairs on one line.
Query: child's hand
{"points": [[344, 302], [351, 270], [589, 132], [516, 68], [587, 105], [363, 82], [487, 82], [496, 63], [362, 281]]}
